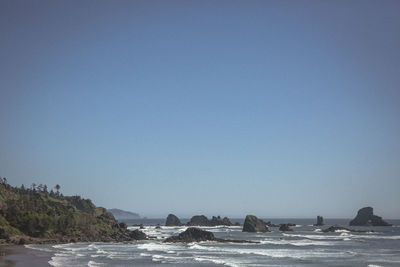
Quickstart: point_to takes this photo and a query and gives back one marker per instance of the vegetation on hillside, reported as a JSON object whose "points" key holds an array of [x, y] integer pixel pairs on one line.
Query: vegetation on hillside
{"points": [[36, 214]]}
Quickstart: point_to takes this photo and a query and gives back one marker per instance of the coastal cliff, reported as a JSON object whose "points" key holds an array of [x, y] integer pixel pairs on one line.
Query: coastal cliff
{"points": [[35, 215]]}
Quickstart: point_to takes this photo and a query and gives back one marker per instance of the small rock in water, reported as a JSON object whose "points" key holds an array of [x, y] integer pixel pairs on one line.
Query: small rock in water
{"points": [[320, 221], [285, 228]]}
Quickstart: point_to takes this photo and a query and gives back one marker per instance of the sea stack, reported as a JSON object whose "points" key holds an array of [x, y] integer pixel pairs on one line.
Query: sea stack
{"points": [[320, 221], [201, 220], [219, 221], [172, 220], [366, 217], [253, 224]]}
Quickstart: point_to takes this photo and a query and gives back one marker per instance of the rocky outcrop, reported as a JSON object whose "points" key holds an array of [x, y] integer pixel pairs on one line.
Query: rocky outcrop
{"points": [[138, 235], [218, 221], [340, 228], [253, 224], [285, 228], [172, 220], [366, 217], [35, 215], [194, 234], [320, 221], [269, 224], [201, 220]]}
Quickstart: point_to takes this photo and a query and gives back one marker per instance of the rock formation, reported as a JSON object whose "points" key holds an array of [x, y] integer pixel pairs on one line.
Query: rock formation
{"points": [[138, 235], [366, 217], [194, 234], [320, 221], [269, 224], [172, 220], [285, 228], [218, 221], [253, 224], [201, 220]]}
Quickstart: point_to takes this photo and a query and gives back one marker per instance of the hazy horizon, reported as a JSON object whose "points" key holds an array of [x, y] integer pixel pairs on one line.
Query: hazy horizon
{"points": [[272, 108]]}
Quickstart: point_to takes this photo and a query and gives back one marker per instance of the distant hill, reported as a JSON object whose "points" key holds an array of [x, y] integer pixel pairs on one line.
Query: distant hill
{"points": [[35, 215], [123, 214]]}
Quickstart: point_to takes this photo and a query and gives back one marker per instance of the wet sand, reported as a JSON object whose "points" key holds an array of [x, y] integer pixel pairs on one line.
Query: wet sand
{"points": [[20, 256]]}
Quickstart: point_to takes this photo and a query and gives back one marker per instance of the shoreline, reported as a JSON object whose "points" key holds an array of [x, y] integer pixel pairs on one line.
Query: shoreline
{"points": [[20, 256]]}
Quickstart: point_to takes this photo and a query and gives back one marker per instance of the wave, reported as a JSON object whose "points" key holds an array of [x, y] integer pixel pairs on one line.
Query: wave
{"points": [[342, 231], [273, 253], [301, 242], [317, 237], [216, 261], [165, 247], [95, 264]]}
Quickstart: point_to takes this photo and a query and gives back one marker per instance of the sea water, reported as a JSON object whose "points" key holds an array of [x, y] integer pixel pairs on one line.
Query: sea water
{"points": [[307, 245]]}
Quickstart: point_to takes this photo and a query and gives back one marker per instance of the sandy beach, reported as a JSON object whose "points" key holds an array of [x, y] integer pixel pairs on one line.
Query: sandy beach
{"points": [[20, 256]]}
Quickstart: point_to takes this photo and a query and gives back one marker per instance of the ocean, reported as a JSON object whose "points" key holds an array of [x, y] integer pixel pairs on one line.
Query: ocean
{"points": [[307, 245]]}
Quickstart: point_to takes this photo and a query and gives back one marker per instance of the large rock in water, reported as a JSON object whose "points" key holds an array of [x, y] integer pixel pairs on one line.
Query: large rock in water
{"points": [[201, 220], [138, 235], [218, 221], [172, 220], [320, 221], [253, 224], [192, 234], [366, 217]]}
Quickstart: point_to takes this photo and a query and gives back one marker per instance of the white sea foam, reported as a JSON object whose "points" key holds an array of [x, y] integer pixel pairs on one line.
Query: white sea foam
{"points": [[317, 237], [60, 260], [145, 255], [342, 231], [301, 242], [165, 247], [273, 253], [170, 259], [216, 261], [95, 264]]}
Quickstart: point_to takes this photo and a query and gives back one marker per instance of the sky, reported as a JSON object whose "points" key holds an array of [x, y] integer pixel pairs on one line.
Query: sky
{"points": [[272, 108]]}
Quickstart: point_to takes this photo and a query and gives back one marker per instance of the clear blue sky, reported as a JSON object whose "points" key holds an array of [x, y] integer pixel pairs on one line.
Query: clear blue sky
{"points": [[275, 108]]}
